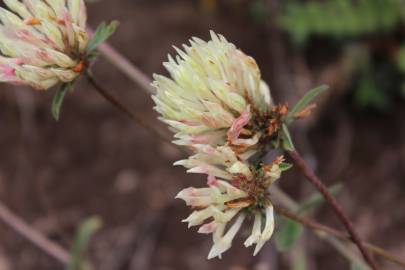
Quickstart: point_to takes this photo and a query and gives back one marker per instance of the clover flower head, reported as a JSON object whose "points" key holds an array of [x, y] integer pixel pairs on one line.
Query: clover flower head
{"points": [[219, 107], [42, 41], [215, 96], [236, 190]]}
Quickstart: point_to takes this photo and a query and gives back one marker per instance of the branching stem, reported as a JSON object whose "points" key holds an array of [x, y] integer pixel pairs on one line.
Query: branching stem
{"points": [[60, 254], [338, 234], [141, 79], [314, 179]]}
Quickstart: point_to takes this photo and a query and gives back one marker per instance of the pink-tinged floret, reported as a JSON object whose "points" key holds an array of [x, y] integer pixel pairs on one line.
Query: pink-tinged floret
{"points": [[238, 125], [208, 228], [212, 181]]}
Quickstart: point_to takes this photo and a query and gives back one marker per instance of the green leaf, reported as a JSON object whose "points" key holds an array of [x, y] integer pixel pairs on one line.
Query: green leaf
{"points": [[317, 198], [305, 101], [82, 239], [286, 141], [288, 233], [284, 166], [102, 33], [58, 99]]}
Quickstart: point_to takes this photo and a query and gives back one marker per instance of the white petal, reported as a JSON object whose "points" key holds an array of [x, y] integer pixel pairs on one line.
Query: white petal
{"points": [[240, 168], [267, 231], [224, 243], [256, 231]]}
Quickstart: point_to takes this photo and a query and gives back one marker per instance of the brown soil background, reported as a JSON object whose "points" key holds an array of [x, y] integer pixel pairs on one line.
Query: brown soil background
{"points": [[94, 161]]}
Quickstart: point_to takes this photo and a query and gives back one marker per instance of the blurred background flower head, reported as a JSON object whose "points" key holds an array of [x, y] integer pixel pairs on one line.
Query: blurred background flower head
{"points": [[42, 42]]}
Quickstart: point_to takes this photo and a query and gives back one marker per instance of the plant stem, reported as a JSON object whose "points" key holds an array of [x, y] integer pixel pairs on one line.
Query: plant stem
{"points": [[137, 76], [125, 66], [338, 234], [37, 238], [314, 179], [116, 103], [340, 247], [60, 254]]}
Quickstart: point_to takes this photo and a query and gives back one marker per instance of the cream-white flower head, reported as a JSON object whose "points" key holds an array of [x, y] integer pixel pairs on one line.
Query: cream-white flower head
{"points": [[217, 104], [42, 41], [235, 190], [215, 91]]}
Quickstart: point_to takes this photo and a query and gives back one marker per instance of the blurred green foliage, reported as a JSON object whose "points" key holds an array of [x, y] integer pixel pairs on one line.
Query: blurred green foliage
{"points": [[258, 10], [289, 231], [401, 67], [356, 266], [371, 25], [83, 236], [317, 199], [368, 94], [288, 234], [401, 59], [378, 81], [340, 18]]}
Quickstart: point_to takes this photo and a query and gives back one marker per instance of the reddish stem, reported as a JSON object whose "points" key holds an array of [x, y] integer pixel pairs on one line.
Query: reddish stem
{"points": [[311, 176]]}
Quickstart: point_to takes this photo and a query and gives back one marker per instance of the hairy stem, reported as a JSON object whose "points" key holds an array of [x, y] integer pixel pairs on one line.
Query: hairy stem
{"points": [[311, 176]]}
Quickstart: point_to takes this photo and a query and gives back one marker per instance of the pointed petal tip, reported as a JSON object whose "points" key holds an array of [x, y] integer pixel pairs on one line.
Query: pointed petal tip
{"points": [[258, 247], [211, 255], [178, 163]]}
